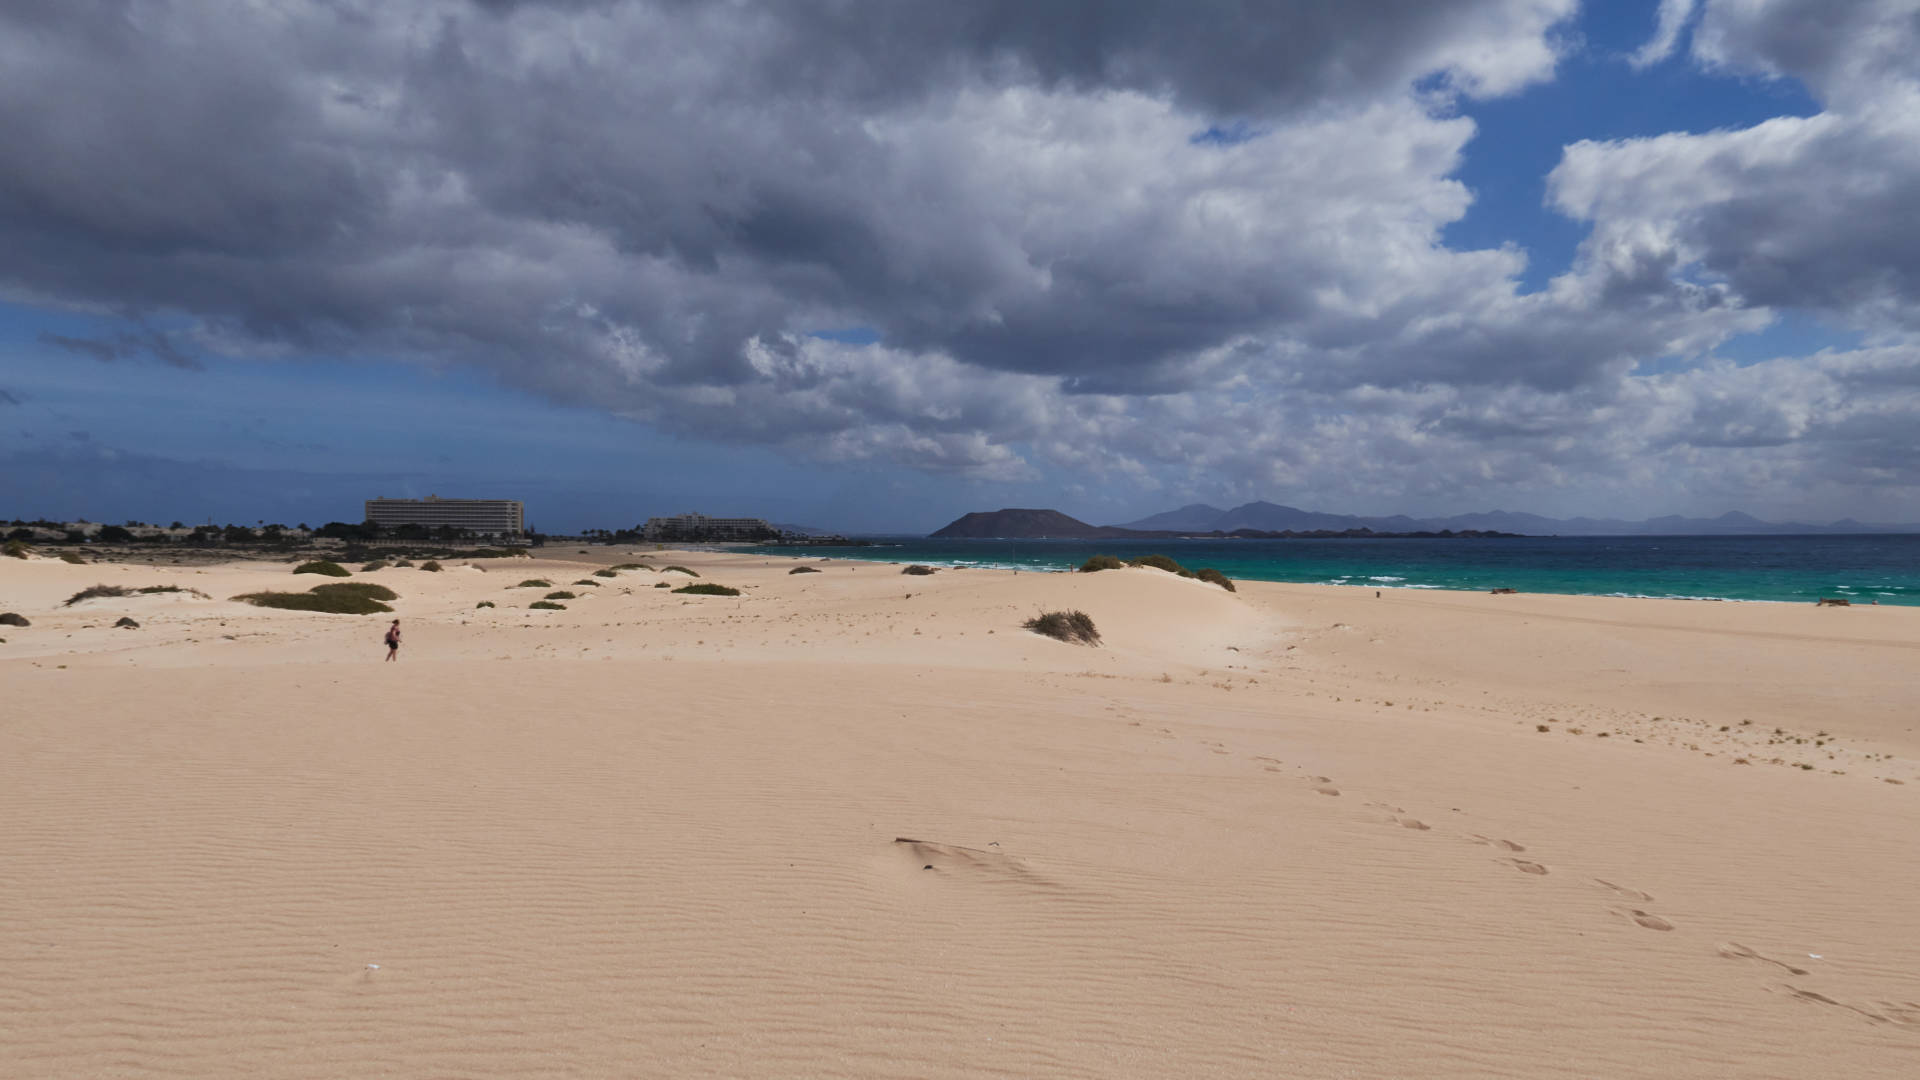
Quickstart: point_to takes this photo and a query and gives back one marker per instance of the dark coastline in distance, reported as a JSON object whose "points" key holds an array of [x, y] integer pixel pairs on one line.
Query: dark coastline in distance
{"points": [[1016, 524], [1268, 521]]}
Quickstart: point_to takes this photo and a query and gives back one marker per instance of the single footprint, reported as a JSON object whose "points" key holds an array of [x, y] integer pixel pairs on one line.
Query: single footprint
{"points": [[1733, 950], [1646, 919], [1524, 866], [1622, 891], [1503, 845], [1325, 790], [1413, 823]]}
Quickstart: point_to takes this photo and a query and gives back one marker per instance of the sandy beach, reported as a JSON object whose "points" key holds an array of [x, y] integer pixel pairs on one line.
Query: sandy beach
{"points": [[856, 823]]}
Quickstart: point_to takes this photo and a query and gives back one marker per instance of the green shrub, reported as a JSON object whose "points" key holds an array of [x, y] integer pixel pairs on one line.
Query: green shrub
{"points": [[483, 603], [330, 569], [631, 566], [1209, 574], [72, 557], [605, 573], [1158, 562], [918, 571], [682, 569], [561, 595], [430, 566], [122, 590], [368, 589], [337, 603], [662, 585], [547, 605], [535, 583], [403, 564], [16, 548], [1072, 627], [372, 566], [707, 588], [804, 570], [588, 581], [1101, 562]]}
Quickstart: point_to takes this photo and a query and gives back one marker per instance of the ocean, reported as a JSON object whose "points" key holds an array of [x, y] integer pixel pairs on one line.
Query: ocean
{"points": [[1864, 569]]}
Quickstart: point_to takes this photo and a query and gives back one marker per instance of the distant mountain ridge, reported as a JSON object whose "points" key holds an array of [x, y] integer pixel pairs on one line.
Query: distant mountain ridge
{"points": [[1272, 517], [1023, 524], [1028, 524]]}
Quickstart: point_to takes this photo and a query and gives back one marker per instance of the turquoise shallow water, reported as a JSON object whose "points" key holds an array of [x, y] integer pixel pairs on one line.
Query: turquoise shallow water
{"points": [[1883, 569]]}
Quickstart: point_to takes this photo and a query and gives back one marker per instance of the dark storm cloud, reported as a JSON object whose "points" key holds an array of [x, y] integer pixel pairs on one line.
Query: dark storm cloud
{"points": [[104, 351], [125, 346], [452, 179]]}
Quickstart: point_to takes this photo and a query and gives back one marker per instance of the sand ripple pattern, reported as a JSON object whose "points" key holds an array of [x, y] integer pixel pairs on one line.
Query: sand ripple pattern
{"points": [[657, 870]]}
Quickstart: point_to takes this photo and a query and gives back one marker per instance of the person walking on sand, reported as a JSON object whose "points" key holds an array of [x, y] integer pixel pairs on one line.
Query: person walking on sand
{"points": [[393, 640]]}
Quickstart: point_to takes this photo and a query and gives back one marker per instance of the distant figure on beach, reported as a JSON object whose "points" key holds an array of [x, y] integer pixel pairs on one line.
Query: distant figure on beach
{"points": [[393, 640]]}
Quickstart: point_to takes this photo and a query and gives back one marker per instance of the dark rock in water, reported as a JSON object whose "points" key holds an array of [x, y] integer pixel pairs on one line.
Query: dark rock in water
{"points": [[126, 622], [8, 618]]}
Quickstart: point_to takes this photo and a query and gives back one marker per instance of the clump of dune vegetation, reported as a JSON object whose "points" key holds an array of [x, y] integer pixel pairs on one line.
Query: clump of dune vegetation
{"points": [[321, 566], [1159, 562], [72, 557], [631, 566], [1101, 562], [588, 581], [483, 603], [918, 570], [16, 549], [804, 570], [403, 564], [1163, 562], [547, 605], [1072, 627], [605, 573], [1215, 577], [372, 566], [662, 585], [535, 583], [682, 569], [707, 588], [562, 594], [357, 588], [357, 598], [97, 591], [430, 566]]}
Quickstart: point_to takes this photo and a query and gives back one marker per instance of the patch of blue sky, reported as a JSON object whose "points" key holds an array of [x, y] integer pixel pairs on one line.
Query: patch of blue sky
{"points": [[1595, 95], [1232, 133], [431, 432]]}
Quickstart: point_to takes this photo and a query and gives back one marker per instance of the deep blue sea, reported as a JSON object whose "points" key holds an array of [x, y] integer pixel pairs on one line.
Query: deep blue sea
{"points": [[1784, 568]]}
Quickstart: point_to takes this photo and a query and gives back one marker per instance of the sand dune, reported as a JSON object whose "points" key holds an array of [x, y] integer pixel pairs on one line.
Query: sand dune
{"points": [[828, 828]]}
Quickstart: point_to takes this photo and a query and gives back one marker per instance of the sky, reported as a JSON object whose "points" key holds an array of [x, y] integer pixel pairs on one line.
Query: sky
{"points": [[867, 266]]}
